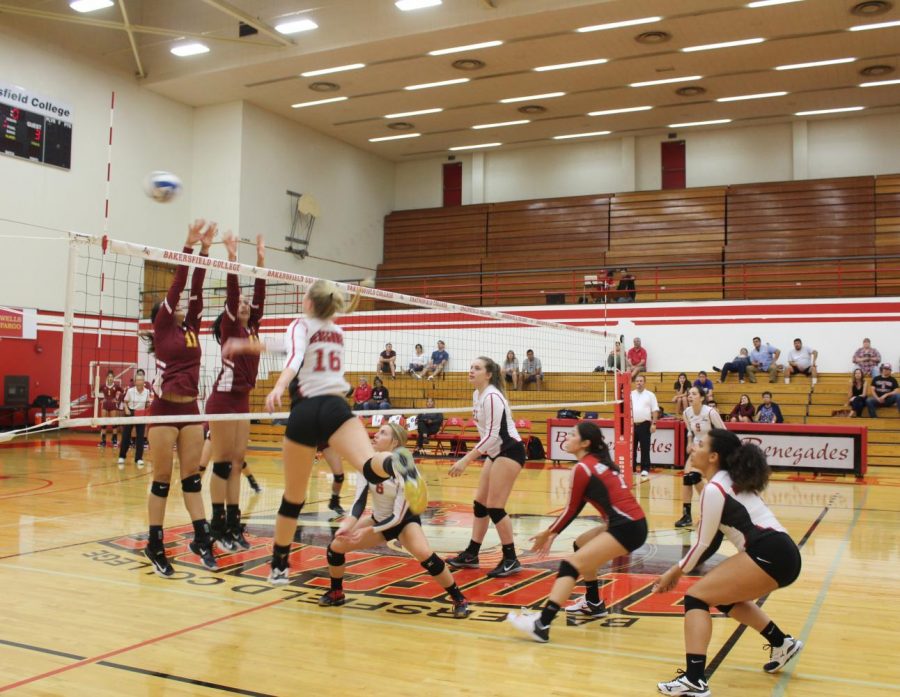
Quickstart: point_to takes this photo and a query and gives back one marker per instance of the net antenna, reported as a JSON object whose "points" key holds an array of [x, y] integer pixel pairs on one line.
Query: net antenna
{"points": [[304, 212]]}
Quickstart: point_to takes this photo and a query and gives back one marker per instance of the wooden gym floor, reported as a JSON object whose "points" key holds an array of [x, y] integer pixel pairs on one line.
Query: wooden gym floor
{"points": [[84, 615]]}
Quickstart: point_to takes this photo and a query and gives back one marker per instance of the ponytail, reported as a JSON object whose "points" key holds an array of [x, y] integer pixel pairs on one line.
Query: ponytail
{"points": [[598, 447], [745, 463], [217, 328], [493, 370], [147, 336]]}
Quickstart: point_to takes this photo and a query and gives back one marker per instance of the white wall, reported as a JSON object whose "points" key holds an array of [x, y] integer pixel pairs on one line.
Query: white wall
{"points": [[738, 155], [854, 146], [215, 190]]}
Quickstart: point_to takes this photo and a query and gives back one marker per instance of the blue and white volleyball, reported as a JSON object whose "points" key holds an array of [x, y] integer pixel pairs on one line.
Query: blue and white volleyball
{"points": [[162, 187]]}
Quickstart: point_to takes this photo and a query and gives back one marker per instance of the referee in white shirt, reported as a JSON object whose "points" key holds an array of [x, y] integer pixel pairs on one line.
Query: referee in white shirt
{"points": [[644, 413]]}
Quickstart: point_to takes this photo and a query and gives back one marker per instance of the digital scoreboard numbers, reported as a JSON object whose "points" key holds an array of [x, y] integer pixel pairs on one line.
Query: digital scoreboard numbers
{"points": [[34, 128]]}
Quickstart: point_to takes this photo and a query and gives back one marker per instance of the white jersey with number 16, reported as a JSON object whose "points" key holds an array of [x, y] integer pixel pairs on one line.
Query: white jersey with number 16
{"points": [[315, 350]]}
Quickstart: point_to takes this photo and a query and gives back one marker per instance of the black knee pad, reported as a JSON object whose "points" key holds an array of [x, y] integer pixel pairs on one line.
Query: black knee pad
{"points": [[339, 479], [496, 514], [222, 469], [691, 478], [479, 509], [575, 546], [370, 475], [160, 489], [434, 565], [567, 569], [290, 510], [335, 558], [725, 609], [192, 484], [692, 603]]}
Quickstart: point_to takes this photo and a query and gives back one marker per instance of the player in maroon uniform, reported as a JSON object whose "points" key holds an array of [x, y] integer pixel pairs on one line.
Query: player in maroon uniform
{"points": [[231, 395], [597, 481], [175, 343], [110, 394]]}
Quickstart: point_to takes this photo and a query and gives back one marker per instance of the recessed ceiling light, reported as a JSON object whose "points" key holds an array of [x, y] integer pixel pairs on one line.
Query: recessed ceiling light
{"points": [[90, 5], [337, 69], [472, 147], [547, 95], [626, 110], [761, 95], [582, 135], [442, 83], [815, 64], [460, 49], [880, 25], [576, 64], [407, 5], [189, 49], [404, 114], [880, 83], [768, 3], [295, 26], [699, 123], [401, 137], [501, 123], [318, 101], [723, 44], [666, 81], [829, 111], [616, 25]]}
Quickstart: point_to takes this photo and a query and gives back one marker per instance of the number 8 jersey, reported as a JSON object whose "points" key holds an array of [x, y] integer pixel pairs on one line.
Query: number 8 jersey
{"points": [[315, 351]]}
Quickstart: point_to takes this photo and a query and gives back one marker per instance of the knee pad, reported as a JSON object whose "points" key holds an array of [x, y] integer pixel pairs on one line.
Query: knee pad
{"points": [[691, 478], [575, 547], [479, 509], [725, 609], [496, 514], [160, 489], [335, 558], [192, 484], [567, 569], [339, 479], [290, 510], [370, 475], [222, 469], [692, 603], [434, 565]]}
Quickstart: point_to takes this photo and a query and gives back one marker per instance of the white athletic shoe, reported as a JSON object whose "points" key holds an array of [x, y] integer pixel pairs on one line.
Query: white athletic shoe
{"points": [[682, 686], [780, 655], [645, 475], [529, 623], [815, 380], [140, 464], [279, 577], [121, 461], [583, 606]]}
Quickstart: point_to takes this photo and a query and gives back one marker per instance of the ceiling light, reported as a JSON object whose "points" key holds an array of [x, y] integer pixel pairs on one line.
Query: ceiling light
{"points": [[405, 135], [815, 64], [880, 83], [880, 25], [724, 44], [761, 95], [460, 49], [428, 85], [768, 3], [626, 110], [502, 123], [189, 50], [666, 81], [548, 95], [338, 69], [616, 25], [407, 5], [318, 101], [295, 26], [404, 114], [472, 147], [829, 111], [699, 123], [90, 5], [582, 135], [577, 64]]}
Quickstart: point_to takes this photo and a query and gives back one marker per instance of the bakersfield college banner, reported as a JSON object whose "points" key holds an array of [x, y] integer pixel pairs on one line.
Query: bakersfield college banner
{"points": [[17, 323]]}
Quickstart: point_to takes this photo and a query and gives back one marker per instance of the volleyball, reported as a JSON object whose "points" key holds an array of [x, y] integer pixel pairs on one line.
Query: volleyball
{"points": [[162, 187]]}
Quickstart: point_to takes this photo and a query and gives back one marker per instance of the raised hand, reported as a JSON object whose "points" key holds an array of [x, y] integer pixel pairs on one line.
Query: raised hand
{"points": [[206, 239], [260, 251], [231, 245], [195, 232]]}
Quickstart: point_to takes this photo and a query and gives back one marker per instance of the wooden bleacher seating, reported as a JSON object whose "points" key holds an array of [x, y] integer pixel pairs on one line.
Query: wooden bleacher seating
{"points": [[887, 233]]}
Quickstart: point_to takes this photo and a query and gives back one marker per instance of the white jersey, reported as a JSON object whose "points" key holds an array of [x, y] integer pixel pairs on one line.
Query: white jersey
{"points": [[700, 424], [389, 506], [495, 421], [315, 351], [740, 517], [136, 401]]}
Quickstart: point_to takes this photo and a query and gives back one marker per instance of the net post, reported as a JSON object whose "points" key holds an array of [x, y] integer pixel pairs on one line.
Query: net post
{"points": [[624, 427], [65, 370]]}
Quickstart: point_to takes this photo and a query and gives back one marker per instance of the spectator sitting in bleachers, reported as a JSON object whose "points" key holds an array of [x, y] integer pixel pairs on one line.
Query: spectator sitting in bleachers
{"points": [[883, 392], [427, 425], [801, 360], [682, 389], [768, 412], [626, 290], [438, 363], [738, 365], [511, 369], [362, 394], [531, 371], [637, 359], [387, 362], [763, 357], [380, 398], [743, 411], [705, 384], [417, 362], [615, 360], [856, 395], [867, 359]]}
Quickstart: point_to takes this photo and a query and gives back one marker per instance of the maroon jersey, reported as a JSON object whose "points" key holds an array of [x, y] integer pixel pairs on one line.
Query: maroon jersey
{"points": [[596, 484], [239, 374], [177, 347], [111, 396]]}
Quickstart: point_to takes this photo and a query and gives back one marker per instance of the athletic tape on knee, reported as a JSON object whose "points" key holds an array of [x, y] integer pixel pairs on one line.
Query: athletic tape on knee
{"points": [[335, 558], [691, 478], [434, 565], [288, 509], [567, 569], [692, 603], [160, 489], [339, 479], [496, 514], [725, 609], [370, 475], [192, 484], [222, 469], [479, 509]]}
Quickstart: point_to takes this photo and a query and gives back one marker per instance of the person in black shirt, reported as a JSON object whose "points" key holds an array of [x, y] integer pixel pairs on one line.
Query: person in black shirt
{"points": [[387, 362], [380, 397], [427, 425], [884, 391], [626, 291]]}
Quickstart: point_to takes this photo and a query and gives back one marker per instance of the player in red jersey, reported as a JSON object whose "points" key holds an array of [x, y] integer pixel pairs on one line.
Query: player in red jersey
{"points": [[597, 481], [175, 343], [110, 394], [231, 395]]}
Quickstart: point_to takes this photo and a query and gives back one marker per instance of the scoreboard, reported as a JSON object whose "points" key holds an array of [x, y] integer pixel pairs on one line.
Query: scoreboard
{"points": [[34, 128]]}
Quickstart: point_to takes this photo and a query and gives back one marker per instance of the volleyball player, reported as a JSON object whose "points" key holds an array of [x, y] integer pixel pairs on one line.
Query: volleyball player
{"points": [[767, 558], [699, 418], [336, 465], [136, 401], [175, 343], [504, 459], [321, 417], [597, 481], [110, 396], [231, 395], [391, 519]]}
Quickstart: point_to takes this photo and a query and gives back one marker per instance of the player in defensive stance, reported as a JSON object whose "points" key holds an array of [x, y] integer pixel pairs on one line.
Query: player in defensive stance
{"points": [[767, 558], [320, 416], [699, 418], [597, 481], [504, 459], [231, 395], [391, 519]]}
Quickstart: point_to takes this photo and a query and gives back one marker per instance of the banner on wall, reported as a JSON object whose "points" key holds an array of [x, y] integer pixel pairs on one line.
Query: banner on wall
{"points": [[663, 450], [35, 127], [18, 323]]}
